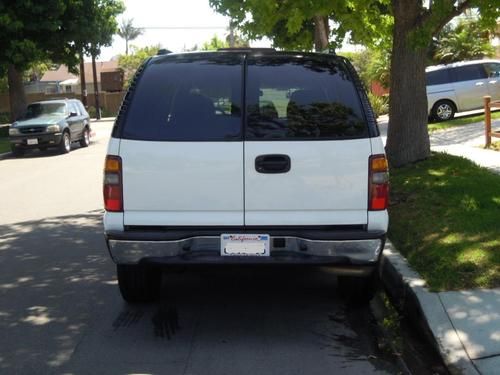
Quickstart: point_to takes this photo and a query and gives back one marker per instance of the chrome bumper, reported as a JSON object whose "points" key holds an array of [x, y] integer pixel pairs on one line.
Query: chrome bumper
{"points": [[206, 250]]}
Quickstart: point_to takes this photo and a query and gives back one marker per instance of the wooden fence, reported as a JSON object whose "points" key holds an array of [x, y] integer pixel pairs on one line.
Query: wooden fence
{"points": [[488, 105]]}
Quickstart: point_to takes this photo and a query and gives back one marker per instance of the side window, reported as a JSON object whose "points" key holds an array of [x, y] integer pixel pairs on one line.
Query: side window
{"points": [[468, 73], [188, 99], [81, 108], [73, 108], [301, 98], [438, 77], [492, 70]]}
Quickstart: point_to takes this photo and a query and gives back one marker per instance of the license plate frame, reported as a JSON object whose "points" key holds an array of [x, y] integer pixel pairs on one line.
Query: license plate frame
{"points": [[245, 244]]}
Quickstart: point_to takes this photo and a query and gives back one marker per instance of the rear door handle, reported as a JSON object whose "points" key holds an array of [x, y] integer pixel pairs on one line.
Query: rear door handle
{"points": [[272, 163]]}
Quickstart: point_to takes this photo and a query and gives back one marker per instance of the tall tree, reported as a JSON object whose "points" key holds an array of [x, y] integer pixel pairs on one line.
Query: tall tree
{"points": [[404, 26], [128, 32], [62, 30]]}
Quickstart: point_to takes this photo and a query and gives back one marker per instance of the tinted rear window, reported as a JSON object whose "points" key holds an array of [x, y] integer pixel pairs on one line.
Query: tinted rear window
{"points": [[438, 77], [293, 98], [183, 98]]}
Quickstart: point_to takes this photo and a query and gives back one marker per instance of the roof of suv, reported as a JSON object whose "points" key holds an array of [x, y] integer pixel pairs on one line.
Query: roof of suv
{"points": [[249, 51], [460, 63]]}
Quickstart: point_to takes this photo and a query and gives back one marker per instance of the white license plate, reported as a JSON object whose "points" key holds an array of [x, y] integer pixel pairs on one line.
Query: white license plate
{"points": [[244, 244], [32, 141]]}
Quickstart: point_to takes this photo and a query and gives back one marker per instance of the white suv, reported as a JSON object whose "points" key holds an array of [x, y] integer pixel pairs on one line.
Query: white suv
{"points": [[245, 157]]}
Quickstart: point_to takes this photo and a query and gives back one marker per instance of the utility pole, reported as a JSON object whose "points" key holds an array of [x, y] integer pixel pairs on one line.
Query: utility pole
{"points": [[96, 89], [83, 83], [231, 34]]}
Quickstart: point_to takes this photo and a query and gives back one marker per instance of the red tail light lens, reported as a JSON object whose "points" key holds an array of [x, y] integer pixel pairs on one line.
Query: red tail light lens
{"points": [[112, 189], [378, 183]]}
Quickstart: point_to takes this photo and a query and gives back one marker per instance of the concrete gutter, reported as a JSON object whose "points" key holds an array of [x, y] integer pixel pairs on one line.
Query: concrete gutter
{"points": [[407, 291]]}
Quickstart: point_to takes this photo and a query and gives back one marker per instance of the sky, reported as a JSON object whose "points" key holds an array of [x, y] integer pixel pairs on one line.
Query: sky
{"points": [[152, 15]]}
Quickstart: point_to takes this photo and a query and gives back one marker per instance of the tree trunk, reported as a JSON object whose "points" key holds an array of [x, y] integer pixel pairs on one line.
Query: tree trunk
{"points": [[407, 137], [17, 96], [96, 90], [321, 33], [83, 82]]}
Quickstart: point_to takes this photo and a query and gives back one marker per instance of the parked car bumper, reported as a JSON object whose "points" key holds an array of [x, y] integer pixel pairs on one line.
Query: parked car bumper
{"points": [[42, 140], [348, 252]]}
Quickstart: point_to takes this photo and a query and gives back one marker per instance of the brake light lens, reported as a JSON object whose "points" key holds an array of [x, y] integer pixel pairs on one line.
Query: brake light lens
{"points": [[378, 183], [112, 187]]}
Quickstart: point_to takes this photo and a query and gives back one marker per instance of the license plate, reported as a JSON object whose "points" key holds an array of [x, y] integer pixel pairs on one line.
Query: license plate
{"points": [[32, 141], [244, 244]]}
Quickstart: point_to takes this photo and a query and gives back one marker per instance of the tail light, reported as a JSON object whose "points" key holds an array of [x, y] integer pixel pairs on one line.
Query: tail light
{"points": [[378, 183], [113, 189]]}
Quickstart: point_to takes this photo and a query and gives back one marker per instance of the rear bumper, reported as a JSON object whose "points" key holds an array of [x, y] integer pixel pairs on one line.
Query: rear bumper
{"points": [[350, 252]]}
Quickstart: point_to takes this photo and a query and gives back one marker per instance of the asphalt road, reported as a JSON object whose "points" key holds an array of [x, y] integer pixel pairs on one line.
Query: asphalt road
{"points": [[61, 312]]}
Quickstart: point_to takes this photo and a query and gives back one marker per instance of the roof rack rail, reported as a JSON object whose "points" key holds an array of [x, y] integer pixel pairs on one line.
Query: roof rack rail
{"points": [[163, 51], [247, 49]]}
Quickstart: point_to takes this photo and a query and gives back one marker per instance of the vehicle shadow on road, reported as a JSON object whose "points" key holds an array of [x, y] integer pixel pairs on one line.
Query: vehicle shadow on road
{"points": [[61, 311]]}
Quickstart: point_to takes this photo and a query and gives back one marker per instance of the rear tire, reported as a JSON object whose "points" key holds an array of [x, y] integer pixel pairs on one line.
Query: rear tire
{"points": [[65, 145], [358, 291], [443, 110], [138, 283], [85, 141], [16, 151]]}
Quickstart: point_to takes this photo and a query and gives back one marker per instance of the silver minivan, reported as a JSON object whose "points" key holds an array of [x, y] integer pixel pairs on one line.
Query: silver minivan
{"points": [[461, 87]]}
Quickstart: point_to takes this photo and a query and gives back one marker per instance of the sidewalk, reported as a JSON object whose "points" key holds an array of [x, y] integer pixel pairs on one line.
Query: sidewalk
{"points": [[464, 325]]}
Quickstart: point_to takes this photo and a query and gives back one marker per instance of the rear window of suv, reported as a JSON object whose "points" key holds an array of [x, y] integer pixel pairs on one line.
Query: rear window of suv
{"points": [[302, 98], [187, 98], [199, 98]]}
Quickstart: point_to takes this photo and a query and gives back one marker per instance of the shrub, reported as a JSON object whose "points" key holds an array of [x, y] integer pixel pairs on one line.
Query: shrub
{"points": [[104, 112], [380, 104], [4, 117]]}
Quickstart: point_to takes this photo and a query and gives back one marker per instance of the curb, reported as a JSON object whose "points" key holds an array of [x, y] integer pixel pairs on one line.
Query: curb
{"points": [[4, 155], [406, 290]]}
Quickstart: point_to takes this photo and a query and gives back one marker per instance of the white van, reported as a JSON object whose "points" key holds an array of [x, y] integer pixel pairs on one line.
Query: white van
{"points": [[461, 87]]}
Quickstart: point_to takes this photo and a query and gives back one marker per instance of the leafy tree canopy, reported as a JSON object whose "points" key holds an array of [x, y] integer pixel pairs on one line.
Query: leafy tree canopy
{"points": [[466, 40], [289, 24], [131, 62], [214, 43], [54, 30]]}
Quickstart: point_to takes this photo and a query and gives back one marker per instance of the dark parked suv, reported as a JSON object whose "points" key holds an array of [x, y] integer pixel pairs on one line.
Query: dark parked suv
{"points": [[245, 157], [51, 123]]}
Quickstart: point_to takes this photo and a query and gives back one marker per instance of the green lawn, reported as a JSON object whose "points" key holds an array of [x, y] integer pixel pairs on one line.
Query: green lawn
{"points": [[461, 121], [445, 218]]}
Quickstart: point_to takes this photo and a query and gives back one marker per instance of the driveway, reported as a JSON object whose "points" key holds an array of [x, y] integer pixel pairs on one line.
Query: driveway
{"points": [[61, 312]]}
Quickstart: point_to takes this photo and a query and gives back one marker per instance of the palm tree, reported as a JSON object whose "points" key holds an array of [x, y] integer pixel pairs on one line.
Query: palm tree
{"points": [[128, 32]]}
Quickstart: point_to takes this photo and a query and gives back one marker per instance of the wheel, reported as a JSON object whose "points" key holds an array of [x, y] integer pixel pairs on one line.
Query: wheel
{"points": [[358, 290], [443, 110], [65, 145], [138, 283], [16, 151], [85, 141]]}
